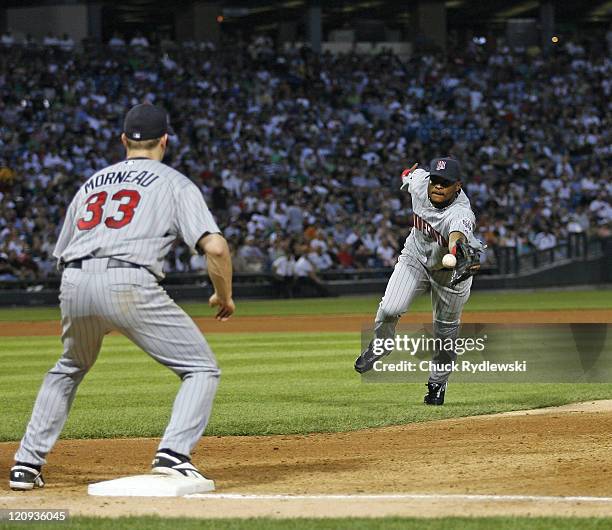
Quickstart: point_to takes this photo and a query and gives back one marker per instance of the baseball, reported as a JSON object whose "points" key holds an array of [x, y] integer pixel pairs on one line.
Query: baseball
{"points": [[449, 261]]}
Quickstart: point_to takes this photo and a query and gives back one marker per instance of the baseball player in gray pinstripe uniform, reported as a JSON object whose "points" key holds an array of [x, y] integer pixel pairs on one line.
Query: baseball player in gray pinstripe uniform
{"points": [[442, 218], [118, 228]]}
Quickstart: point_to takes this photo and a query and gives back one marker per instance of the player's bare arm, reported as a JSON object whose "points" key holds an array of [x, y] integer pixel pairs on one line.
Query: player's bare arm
{"points": [[453, 237], [219, 261]]}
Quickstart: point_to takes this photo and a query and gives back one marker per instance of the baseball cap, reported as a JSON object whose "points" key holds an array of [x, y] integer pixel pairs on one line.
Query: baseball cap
{"points": [[447, 168], [146, 122]]}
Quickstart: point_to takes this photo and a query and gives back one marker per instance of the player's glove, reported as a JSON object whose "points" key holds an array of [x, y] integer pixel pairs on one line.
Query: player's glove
{"points": [[468, 262]]}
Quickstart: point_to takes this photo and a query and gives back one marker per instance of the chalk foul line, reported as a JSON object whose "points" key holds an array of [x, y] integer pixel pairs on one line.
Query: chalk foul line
{"points": [[400, 496]]}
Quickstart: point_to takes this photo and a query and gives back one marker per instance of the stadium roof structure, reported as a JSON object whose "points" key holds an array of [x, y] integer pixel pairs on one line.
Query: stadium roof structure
{"points": [[264, 14], [460, 11]]}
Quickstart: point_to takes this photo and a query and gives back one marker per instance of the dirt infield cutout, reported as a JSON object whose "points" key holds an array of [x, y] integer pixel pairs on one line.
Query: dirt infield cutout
{"points": [[517, 460]]}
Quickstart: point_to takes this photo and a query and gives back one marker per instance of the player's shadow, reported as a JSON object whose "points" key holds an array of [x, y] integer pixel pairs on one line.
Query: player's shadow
{"points": [[244, 474], [590, 340]]}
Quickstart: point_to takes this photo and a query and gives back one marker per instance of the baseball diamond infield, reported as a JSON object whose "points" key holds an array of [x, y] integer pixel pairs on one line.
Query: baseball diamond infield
{"points": [[516, 463], [564, 451]]}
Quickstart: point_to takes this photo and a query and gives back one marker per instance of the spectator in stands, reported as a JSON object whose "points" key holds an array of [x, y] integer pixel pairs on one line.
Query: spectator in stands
{"points": [[386, 254], [371, 240], [220, 198], [344, 256], [283, 271], [51, 40], [66, 43], [295, 218], [7, 273], [601, 208], [306, 276], [198, 264], [7, 39], [116, 41], [288, 140], [139, 41], [254, 258], [545, 239], [320, 259]]}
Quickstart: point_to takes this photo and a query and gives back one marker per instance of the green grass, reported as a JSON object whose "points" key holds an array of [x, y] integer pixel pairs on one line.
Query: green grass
{"points": [[395, 523], [479, 301], [273, 383], [277, 383]]}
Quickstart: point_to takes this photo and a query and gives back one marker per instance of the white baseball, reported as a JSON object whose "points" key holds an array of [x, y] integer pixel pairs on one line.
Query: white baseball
{"points": [[449, 261]]}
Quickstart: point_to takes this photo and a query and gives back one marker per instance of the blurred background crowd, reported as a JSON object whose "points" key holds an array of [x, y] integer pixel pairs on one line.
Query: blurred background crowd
{"points": [[299, 155]]}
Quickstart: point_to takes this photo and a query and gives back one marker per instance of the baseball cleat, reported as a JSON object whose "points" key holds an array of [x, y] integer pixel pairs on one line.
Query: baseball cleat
{"points": [[166, 463], [366, 360], [435, 394], [25, 477]]}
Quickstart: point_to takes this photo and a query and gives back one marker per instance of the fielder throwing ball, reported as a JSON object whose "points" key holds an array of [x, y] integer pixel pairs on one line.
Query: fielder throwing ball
{"points": [[441, 254], [118, 228]]}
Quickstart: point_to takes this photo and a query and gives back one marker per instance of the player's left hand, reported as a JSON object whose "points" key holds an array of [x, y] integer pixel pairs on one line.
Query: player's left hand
{"points": [[468, 262]]}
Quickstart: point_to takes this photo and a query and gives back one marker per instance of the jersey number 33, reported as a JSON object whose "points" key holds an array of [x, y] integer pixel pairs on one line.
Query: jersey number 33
{"points": [[128, 201]]}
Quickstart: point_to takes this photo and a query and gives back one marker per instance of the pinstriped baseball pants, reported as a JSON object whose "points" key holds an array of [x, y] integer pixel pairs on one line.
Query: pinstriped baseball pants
{"points": [[411, 278], [95, 300]]}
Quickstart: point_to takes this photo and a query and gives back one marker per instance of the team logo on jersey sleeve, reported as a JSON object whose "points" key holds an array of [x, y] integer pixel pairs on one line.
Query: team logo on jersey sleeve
{"points": [[468, 224]]}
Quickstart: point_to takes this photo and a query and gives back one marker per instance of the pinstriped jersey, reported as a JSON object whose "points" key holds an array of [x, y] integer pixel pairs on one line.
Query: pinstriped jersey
{"points": [[428, 240], [134, 211]]}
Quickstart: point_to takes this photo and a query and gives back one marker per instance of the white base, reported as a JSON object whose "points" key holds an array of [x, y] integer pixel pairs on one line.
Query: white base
{"points": [[151, 486]]}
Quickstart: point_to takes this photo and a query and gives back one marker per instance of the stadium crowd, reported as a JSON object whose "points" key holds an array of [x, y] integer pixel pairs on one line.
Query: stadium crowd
{"points": [[299, 155]]}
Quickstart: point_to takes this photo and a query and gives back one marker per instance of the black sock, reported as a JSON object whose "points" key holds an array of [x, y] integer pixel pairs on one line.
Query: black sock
{"points": [[174, 454], [33, 466]]}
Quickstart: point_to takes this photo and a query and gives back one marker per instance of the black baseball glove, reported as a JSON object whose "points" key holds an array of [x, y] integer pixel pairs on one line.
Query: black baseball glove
{"points": [[468, 262]]}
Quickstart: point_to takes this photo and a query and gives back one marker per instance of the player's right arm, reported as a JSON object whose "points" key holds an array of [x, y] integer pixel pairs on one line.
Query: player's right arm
{"points": [[453, 237], [407, 177], [199, 231], [412, 177], [219, 260]]}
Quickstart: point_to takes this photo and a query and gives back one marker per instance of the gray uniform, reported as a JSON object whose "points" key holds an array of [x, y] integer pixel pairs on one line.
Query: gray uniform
{"points": [[127, 215], [419, 268]]}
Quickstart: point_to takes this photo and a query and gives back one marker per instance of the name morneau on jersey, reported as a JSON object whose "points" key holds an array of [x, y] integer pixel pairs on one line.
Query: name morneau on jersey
{"points": [[142, 178]]}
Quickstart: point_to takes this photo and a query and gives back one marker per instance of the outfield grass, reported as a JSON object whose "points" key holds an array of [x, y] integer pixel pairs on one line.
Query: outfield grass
{"points": [[395, 523], [479, 301], [272, 383]]}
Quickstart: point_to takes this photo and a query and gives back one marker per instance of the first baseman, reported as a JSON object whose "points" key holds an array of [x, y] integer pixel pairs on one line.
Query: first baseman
{"points": [[118, 228], [443, 222]]}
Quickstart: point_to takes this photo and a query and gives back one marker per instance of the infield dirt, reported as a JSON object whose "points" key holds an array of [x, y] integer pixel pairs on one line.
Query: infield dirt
{"points": [[335, 323], [563, 451]]}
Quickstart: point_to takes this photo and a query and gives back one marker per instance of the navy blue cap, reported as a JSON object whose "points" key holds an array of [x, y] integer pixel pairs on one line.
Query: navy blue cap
{"points": [[447, 168], [145, 122]]}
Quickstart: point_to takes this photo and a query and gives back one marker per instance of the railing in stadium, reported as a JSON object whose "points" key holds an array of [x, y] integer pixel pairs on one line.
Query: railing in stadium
{"points": [[507, 262]]}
